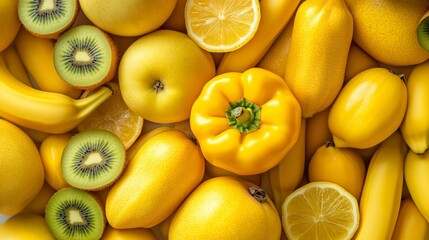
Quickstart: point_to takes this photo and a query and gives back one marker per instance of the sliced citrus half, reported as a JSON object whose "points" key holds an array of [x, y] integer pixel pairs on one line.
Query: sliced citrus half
{"points": [[222, 25], [320, 210], [115, 116]]}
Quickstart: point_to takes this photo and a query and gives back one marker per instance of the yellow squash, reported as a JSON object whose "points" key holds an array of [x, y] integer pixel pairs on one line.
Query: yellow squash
{"points": [[315, 66], [369, 108], [246, 122], [381, 195], [417, 177], [415, 127]]}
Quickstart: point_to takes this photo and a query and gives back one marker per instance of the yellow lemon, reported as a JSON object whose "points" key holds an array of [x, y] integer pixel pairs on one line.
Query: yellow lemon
{"points": [[25, 226], [222, 26], [111, 233], [9, 24], [21, 169], [320, 210], [226, 208]]}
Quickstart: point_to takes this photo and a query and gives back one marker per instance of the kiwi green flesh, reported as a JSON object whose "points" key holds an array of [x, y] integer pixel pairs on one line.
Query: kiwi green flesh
{"points": [[74, 214], [84, 56], [423, 33], [47, 17], [93, 160]]}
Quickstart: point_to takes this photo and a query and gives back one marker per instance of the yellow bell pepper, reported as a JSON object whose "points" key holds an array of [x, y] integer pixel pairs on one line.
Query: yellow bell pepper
{"points": [[246, 122]]}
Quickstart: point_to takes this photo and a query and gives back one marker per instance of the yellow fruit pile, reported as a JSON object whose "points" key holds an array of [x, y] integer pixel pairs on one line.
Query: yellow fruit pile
{"points": [[265, 120]]}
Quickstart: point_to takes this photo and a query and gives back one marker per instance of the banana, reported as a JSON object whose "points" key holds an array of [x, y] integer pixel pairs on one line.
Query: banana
{"points": [[37, 55], [275, 14], [15, 65], [415, 125], [417, 178], [381, 195], [410, 223], [286, 176], [44, 111]]}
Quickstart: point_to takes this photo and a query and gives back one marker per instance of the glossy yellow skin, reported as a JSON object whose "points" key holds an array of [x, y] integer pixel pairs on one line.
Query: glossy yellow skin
{"points": [[415, 126], [381, 195], [160, 176], [25, 226], [317, 58], [21, 169], [275, 15], [51, 151], [369, 108], [286, 176], [342, 166], [222, 208], [317, 133], [246, 153], [9, 25], [127, 234], [15, 65], [417, 176], [38, 204], [410, 223], [37, 55]]}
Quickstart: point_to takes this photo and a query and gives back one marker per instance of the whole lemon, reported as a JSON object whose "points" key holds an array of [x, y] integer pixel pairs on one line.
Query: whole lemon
{"points": [[387, 29], [25, 226], [226, 208], [128, 18], [21, 169], [9, 24]]}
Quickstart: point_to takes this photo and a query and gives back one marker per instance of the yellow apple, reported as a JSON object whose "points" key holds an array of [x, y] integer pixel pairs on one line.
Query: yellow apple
{"points": [[162, 73]]}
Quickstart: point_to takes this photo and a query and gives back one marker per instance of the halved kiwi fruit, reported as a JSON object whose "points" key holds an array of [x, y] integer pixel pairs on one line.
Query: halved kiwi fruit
{"points": [[93, 160], [85, 57], [75, 214], [47, 18], [423, 31]]}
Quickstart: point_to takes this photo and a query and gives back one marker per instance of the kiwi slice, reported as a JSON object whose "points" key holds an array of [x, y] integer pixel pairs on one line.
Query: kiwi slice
{"points": [[75, 214], [47, 18], [93, 160], [423, 31], [85, 57]]}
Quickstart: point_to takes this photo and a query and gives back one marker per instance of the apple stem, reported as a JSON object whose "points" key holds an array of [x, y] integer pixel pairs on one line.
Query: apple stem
{"points": [[158, 86], [258, 194]]}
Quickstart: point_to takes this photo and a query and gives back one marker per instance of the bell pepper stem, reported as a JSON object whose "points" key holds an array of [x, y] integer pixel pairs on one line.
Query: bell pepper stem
{"points": [[244, 116]]}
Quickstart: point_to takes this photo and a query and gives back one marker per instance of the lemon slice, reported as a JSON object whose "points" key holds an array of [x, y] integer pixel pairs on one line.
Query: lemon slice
{"points": [[222, 25], [115, 116], [320, 210]]}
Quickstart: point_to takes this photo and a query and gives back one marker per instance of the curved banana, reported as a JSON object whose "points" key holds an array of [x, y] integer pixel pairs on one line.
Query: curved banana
{"points": [[44, 111], [275, 14], [15, 65], [417, 178], [286, 176], [37, 55], [381, 195], [410, 223], [415, 125]]}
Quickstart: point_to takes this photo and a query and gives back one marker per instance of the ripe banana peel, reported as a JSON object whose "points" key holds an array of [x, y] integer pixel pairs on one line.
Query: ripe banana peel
{"points": [[415, 125], [15, 65], [410, 223], [381, 195], [275, 14], [44, 111]]}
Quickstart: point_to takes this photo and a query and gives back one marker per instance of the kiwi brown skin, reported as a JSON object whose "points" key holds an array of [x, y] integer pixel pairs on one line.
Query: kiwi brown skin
{"points": [[113, 66], [55, 35], [423, 31]]}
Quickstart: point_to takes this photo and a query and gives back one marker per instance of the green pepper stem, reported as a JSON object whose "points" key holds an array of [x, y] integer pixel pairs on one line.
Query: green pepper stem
{"points": [[244, 116]]}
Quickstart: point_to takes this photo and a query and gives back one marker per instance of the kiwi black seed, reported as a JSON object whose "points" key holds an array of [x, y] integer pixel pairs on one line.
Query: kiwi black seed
{"points": [[47, 19], [423, 32], [85, 57], [75, 214], [93, 160]]}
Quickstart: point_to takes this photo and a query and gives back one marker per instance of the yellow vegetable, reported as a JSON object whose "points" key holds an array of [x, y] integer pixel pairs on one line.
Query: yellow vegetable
{"points": [[410, 223], [259, 127], [369, 108], [415, 126], [315, 66], [381, 195], [417, 177]]}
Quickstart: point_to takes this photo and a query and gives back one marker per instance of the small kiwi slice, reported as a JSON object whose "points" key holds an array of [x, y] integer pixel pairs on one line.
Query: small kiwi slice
{"points": [[85, 57], [47, 18], [72, 213], [423, 31], [93, 160]]}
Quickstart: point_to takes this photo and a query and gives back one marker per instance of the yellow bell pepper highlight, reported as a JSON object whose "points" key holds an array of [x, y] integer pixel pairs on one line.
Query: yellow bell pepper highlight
{"points": [[246, 122]]}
